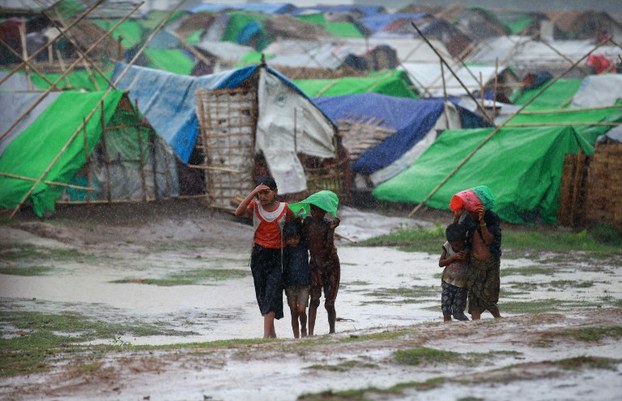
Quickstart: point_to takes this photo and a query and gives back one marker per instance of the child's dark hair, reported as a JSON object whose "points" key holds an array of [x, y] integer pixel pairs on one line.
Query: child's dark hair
{"points": [[455, 232], [290, 229], [267, 181]]}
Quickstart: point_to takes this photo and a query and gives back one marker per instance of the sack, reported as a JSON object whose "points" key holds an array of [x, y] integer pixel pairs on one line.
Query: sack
{"points": [[473, 200]]}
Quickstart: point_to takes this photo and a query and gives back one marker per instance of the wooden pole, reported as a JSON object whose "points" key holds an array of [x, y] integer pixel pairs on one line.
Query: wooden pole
{"points": [[56, 183], [51, 42], [497, 129], [47, 92], [28, 64], [482, 110]]}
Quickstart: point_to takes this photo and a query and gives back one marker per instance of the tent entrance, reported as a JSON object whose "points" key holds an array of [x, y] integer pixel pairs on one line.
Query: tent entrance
{"points": [[228, 120]]}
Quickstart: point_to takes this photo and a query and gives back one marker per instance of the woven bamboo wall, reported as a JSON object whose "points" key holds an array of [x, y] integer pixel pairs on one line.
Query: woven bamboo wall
{"points": [[604, 186], [591, 188]]}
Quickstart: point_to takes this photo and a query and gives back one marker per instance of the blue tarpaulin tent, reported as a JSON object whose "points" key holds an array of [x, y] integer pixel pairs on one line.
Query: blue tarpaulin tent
{"points": [[411, 119]]}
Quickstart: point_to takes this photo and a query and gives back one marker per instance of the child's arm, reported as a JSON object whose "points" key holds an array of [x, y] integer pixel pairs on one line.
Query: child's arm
{"points": [[330, 237], [447, 260], [242, 208]]}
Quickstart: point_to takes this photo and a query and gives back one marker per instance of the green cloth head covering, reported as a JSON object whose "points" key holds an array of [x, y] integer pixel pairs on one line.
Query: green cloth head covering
{"points": [[325, 200]]}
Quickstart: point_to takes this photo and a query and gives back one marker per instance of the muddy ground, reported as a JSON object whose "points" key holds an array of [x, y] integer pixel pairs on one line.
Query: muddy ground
{"points": [[183, 270]]}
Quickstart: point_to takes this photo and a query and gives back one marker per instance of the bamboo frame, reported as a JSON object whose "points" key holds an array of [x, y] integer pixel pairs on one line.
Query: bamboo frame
{"points": [[496, 130], [56, 38], [64, 74], [479, 106]]}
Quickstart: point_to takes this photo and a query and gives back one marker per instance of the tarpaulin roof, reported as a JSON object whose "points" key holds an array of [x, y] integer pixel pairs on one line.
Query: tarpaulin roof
{"points": [[275, 8], [429, 76], [392, 82], [176, 61], [522, 166], [227, 51], [378, 22], [130, 31], [36, 149], [598, 91], [339, 29], [411, 119], [343, 8], [77, 79], [556, 96], [579, 119], [168, 102]]}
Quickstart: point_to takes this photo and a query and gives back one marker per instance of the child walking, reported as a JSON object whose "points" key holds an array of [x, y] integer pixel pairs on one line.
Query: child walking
{"points": [[296, 276], [454, 259], [319, 233], [269, 216]]}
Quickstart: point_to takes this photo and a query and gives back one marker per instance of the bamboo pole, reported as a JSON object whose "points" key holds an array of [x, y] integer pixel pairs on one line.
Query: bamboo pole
{"points": [[143, 179], [573, 110], [47, 92], [86, 60], [51, 42], [63, 69], [28, 64], [149, 39], [56, 183], [497, 129], [482, 110], [92, 112], [577, 124], [104, 139]]}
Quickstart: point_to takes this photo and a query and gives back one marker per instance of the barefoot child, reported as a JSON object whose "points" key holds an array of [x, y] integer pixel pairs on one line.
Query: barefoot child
{"points": [[296, 276], [454, 260], [319, 233], [269, 215]]}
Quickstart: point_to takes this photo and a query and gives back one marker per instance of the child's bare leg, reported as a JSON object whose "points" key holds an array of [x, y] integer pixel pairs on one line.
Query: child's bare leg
{"points": [[475, 314], [302, 316], [495, 312], [446, 317], [332, 317], [294, 313], [268, 325], [312, 314]]}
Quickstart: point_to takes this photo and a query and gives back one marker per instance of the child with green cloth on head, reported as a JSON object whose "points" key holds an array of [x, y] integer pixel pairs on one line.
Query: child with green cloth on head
{"points": [[319, 233]]}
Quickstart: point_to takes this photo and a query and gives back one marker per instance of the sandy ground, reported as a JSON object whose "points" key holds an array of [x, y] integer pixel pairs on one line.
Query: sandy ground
{"points": [[383, 290]]}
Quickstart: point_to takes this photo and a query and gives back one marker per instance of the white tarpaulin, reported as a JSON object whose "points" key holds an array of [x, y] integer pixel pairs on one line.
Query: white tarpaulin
{"points": [[598, 91], [288, 124]]}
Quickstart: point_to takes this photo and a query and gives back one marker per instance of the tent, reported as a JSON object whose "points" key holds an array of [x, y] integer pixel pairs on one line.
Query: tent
{"points": [[393, 83], [283, 122], [522, 167], [415, 122], [80, 147]]}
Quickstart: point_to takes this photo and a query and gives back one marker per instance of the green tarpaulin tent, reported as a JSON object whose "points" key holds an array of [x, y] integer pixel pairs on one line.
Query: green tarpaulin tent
{"points": [[522, 167], [558, 95], [392, 83], [129, 163]]}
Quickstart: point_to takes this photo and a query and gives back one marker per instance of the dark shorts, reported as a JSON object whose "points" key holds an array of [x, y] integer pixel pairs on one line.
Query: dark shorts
{"points": [[267, 277], [453, 300], [325, 275]]}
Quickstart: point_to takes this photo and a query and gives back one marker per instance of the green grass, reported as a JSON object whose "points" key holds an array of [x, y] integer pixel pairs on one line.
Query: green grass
{"points": [[26, 270], [516, 241], [590, 334], [192, 277], [31, 339], [541, 305], [526, 271], [413, 293], [343, 366], [425, 356]]}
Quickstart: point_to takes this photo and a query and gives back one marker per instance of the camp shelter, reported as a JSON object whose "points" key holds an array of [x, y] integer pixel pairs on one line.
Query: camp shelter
{"points": [[589, 123], [261, 113], [219, 56], [522, 167], [331, 55], [557, 96], [599, 91], [416, 124], [80, 147], [392, 82], [429, 78], [337, 29]]}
